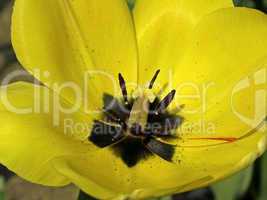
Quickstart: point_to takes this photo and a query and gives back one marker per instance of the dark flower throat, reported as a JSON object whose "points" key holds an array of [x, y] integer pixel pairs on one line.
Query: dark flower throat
{"points": [[134, 142]]}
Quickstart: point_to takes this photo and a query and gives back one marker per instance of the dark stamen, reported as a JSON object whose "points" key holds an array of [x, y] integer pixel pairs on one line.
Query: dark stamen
{"points": [[114, 107], [104, 134], [134, 142], [154, 79], [165, 102], [123, 88], [132, 150], [164, 150], [112, 116]]}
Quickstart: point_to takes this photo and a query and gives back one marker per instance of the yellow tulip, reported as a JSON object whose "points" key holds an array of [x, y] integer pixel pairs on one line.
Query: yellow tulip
{"points": [[212, 56]]}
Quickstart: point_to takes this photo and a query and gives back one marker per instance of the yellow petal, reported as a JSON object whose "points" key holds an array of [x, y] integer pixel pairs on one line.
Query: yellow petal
{"points": [[226, 57], [163, 31], [72, 167], [222, 78], [29, 139], [59, 41], [193, 167]]}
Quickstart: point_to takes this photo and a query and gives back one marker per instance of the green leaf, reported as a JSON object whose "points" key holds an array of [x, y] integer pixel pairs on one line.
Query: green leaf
{"points": [[2, 196], [263, 195], [231, 187], [245, 3], [2, 183]]}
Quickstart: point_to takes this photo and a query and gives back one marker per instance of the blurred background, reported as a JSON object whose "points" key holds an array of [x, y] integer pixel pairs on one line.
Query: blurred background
{"points": [[249, 184]]}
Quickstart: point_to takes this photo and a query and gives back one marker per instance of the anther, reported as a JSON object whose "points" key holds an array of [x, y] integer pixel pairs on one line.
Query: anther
{"points": [[165, 102], [154, 79], [123, 88]]}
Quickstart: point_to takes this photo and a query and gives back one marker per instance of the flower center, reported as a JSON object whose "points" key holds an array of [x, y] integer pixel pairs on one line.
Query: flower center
{"points": [[135, 127]]}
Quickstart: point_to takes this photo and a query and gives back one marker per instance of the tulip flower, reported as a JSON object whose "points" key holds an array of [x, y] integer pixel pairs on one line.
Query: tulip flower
{"points": [[161, 99]]}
